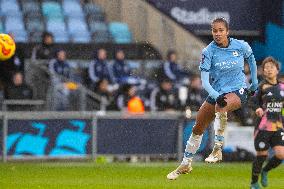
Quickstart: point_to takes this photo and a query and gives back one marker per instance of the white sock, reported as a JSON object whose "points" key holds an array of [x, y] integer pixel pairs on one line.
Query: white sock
{"points": [[220, 123], [192, 146]]}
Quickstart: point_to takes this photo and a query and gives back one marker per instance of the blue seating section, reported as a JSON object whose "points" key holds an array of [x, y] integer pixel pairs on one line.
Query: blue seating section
{"points": [[72, 9], [68, 20], [273, 45], [9, 7], [1, 27], [120, 32], [12, 18]]}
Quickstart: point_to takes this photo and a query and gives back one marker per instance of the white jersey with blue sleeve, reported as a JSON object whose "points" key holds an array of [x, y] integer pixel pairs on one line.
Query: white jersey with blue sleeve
{"points": [[226, 66]]}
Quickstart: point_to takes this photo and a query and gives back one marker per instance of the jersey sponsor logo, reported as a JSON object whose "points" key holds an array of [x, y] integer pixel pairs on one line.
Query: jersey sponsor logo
{"points": [[225, 65], [274, 106], [235, 53]]}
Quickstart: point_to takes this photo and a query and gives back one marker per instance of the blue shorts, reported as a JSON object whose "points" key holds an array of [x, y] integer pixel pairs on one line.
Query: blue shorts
{"points": [[241, 93]]}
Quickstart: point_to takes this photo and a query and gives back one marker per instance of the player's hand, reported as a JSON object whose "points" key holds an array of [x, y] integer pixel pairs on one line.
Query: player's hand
{"points": [[221, 101], [250, 92], [259, 112], [252, 89]]}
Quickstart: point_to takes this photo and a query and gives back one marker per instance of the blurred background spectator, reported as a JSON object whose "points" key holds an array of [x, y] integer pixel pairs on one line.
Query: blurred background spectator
{"points": [[122, 73], [165, 98], [195, 94], [59, 66], [173, 70], [126, 94], [45, 50], [18, 90], [99, 68], [106, 97], [62, 83]]}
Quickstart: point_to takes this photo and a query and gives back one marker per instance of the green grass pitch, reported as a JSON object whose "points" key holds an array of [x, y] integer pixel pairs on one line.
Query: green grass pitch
{"points": [[82, 175]]}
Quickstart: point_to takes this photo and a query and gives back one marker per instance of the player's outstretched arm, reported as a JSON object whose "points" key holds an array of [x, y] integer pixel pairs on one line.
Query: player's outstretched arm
{"points": [[207, 86], [248, 55], [253, 72]]}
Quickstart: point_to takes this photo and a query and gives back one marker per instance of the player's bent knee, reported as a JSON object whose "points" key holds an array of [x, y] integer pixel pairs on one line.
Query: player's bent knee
{"points": [[198, 130], [280, 155]]}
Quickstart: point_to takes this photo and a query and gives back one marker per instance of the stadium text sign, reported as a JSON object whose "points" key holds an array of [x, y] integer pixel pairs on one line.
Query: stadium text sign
{"points": [[244, 15]]}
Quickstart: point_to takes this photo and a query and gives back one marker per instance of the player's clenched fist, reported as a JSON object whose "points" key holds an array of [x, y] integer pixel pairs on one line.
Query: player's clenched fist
{"points": [[259, 112]]}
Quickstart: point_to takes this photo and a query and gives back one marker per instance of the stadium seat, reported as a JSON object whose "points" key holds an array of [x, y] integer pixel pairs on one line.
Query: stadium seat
{"points": [[72, 9], [96, 17], [33, 15], [10, 7], [91, 8], [19, 35], [98, 26], [35, 36], [61, 37], [82, 37], [14, 14], [30, 7], [52, 10], [14, 24], [34, 25], [77, 26], [101, 37], [1, 27], [120, 32], [55, 26]]}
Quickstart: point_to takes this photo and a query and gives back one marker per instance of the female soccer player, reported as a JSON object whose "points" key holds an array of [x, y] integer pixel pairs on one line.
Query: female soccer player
{"points": [[269, 132], [223, 59]]}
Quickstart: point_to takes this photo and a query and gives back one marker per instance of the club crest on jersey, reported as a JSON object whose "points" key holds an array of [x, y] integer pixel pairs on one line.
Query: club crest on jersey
{"points": [[235, 53]]}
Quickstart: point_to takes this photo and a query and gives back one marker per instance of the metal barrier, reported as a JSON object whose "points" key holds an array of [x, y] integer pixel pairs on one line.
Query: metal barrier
{"points": [[49, 135], [35, 103]]}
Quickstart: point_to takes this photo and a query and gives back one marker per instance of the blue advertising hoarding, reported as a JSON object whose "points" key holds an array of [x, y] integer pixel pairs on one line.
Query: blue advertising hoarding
{"points": [[196, 16], [137, 136], [52, 138], [207, 139]]}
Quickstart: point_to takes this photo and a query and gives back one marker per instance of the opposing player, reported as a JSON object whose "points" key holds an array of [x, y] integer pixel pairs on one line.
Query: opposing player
{"points": [[269, 131], [223, 60]]}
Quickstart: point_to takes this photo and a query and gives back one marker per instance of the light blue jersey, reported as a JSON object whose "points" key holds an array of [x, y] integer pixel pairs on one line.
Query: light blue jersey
{"points": [[226, 67]]}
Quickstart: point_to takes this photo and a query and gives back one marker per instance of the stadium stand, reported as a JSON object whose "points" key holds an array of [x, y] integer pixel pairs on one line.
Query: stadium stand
{"points": [[68, 20], [120, 32]]}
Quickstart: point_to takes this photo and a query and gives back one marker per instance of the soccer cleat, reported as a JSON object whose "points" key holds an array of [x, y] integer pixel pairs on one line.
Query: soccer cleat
{"points": [[182, 169], [264, 180], [215, 156], [255, 186]]}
